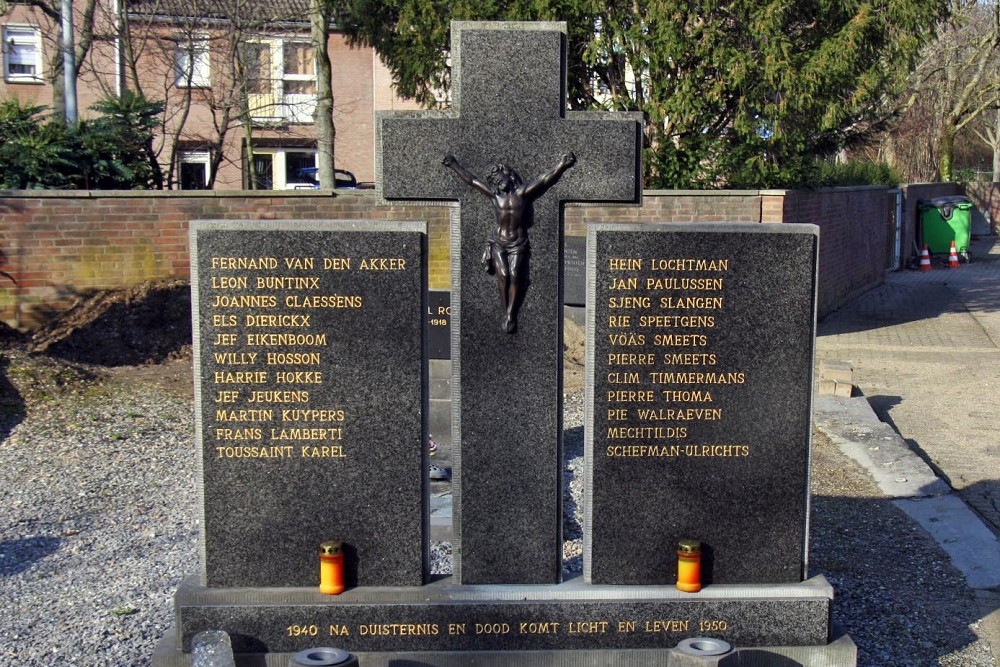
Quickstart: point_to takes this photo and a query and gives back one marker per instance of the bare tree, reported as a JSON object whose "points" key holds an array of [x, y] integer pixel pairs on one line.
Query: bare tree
{"points": [[319, 31], [956, 80], [85, 24]]}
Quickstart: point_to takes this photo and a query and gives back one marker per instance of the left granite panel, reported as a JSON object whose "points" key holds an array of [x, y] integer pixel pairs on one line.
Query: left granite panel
{"points": [[309, 386]]}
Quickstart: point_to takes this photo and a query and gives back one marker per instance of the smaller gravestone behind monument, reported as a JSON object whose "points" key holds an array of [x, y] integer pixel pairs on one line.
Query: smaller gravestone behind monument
{"points": [[699, 394], [309, 397]]}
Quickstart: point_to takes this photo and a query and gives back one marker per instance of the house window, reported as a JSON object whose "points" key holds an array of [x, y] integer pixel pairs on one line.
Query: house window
{"points": [[281, 80], [191, 64], [22, 51], [283, 169], [193, 170]]}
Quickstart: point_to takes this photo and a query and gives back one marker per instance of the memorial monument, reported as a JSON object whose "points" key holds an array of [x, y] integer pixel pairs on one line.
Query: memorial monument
{"points": [[720, 463]]}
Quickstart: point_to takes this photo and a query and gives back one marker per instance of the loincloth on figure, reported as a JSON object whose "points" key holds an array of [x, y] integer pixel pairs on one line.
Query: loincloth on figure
{"points": [[505, 249]]}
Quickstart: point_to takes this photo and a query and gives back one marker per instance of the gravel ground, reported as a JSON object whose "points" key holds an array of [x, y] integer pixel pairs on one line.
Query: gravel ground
{"points": [[98, 507]]}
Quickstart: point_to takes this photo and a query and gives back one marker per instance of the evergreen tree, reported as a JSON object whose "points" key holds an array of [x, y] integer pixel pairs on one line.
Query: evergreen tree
{"points": [[741, 93]]}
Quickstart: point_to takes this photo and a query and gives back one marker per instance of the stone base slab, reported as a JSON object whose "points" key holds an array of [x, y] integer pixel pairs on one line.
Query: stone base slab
{"points": [[444, 617], [841, 652]]}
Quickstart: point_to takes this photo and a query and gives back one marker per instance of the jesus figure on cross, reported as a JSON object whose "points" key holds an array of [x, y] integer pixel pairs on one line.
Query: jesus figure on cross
{"points": [[506, 253]]}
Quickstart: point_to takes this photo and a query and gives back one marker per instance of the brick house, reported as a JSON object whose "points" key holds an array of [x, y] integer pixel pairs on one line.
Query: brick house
{"points": [[238, 79]]}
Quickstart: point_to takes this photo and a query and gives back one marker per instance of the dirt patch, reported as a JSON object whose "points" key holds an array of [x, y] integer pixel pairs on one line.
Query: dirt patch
{"points": [[145, 324]]}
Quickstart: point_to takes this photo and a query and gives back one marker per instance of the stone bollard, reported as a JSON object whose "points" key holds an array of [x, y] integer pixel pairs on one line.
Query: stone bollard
{"points": [[703, 652]]}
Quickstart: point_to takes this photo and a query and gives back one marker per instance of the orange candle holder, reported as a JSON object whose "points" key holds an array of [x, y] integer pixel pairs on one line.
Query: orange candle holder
{"points": [[689, 566], [331, 568]]}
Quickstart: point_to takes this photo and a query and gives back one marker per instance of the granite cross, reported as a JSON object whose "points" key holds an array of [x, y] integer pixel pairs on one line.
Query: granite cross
{"points": [[508, 107]]}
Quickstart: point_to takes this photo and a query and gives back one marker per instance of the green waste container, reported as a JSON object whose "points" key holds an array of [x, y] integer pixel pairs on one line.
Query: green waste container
{"points": [[943, 220]]}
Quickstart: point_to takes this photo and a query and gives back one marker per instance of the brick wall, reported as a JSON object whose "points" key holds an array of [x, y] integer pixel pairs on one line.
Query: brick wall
{"points": [[853, 245], [986, 197], [60, 245]]}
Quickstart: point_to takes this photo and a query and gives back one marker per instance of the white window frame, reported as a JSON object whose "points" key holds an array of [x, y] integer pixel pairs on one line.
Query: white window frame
{"points": [[24, 36], [194, 157], [279, 167], [191, 56], [287, 107]]}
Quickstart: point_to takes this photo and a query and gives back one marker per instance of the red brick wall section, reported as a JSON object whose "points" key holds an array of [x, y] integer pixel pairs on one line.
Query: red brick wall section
{"points": [[986, 197], [61, 245], [853, 237]]}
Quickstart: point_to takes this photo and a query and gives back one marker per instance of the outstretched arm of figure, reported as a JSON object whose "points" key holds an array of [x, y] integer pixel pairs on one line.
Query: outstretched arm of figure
{"points": [[551, 176], [467, 176]]}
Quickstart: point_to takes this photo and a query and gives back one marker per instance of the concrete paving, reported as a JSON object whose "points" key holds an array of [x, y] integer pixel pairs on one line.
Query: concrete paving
{"points": [[925, 350]]}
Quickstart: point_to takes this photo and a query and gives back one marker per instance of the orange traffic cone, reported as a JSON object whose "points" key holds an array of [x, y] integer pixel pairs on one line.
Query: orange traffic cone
{"points": [[953, 262], [925, 259]]}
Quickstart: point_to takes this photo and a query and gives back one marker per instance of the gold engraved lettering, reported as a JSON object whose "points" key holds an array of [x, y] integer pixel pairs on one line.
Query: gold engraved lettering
{"points": [[712, 625], [225, 339], [626, 627], [679, 321], [690, 359], [629, 339], [734, 451], [588, 627], [239, 377], [324, 301], [323, 452], [492, 628], [238, 434], [705, 284], [278, 397], [689, 264], [681, 340], [227, 396], [307, 434], [292, 358], [682, 414], [656, 432], [336, 263], [298, 377], [302, 630], [244, 263], [667, 626], [235, 358], [383, 264], [619, 320], [224, 321], [624, 264], [277, 320], [339, 631], [623, 378], [305, 263], [456, 628], [687, 396], [682, 302], [287, 282], [618, 414], [399, 629], [225, 282], [322, 416], [273, 452], [539, 628], [629, 302], [277, 339], [623, 396], [624, 283], [245, 301], [631, 359], [244, 415], [652, 451], [731, 377]]}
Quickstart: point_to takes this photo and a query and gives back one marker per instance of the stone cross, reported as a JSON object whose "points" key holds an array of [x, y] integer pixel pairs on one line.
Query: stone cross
{"points": [[509, 102]]}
